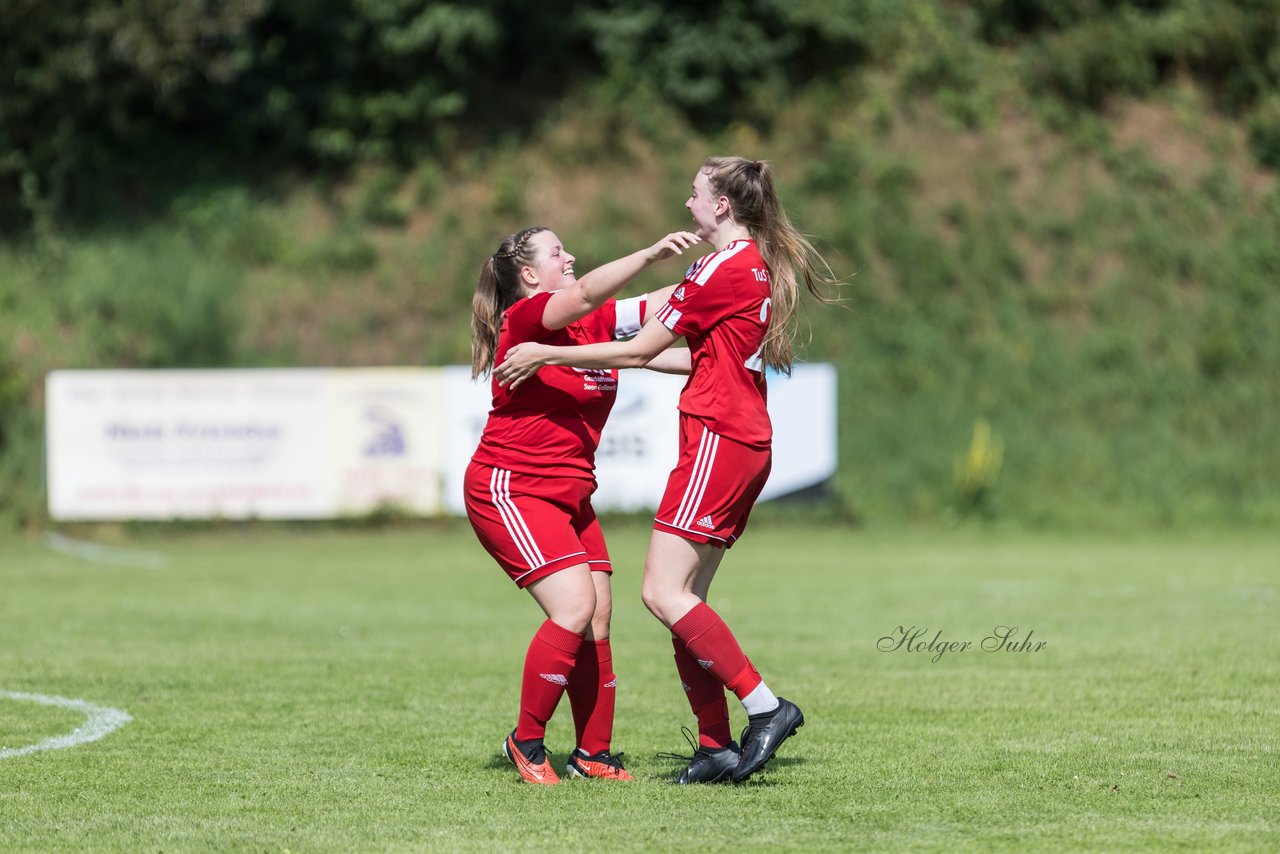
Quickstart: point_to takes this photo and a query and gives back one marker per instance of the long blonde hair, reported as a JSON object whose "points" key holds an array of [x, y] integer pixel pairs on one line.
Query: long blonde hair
{"points": [[498, 289], [748, 185]]}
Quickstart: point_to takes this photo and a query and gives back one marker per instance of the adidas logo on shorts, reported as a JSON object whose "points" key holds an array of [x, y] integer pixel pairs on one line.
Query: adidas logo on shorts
{"points": [[555, 678], [612, 683], [705, 522]]}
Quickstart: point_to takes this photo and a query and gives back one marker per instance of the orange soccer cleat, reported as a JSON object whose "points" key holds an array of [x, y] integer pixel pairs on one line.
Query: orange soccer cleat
{"points": [[530, 761], [597, 766]]}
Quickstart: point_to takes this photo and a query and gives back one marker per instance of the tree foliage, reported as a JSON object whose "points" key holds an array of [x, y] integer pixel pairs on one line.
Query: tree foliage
{"points": [[111, 98]]}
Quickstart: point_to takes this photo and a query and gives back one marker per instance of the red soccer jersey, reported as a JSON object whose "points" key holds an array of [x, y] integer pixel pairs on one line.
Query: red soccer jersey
{"points": [[551, 424], [722, 310]]}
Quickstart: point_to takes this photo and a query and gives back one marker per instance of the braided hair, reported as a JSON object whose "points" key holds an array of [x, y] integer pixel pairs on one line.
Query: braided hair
{"points": [[497, 290]]}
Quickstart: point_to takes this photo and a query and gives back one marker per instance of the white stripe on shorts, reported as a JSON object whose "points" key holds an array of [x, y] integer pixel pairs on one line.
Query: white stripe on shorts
{"points": [[694, 531], [693, 493], [500, 491]]}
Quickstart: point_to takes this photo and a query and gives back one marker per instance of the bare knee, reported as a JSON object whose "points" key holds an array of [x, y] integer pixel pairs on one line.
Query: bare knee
{"points": [[663, 601], [600, 621], [651, 593], [577, 616], [568, 598], [651, 600]]}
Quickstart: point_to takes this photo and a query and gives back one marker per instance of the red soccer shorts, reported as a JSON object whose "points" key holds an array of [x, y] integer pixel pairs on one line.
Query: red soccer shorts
{"points": [[713, 486], [534, 526]]}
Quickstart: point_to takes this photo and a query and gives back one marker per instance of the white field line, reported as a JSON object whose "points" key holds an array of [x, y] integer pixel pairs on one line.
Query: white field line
{"points": [[99, 721], [98, 553]]}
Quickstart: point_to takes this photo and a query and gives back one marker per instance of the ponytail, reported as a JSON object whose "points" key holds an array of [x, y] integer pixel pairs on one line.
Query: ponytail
{"points": [[497, 289], [748, 184]]}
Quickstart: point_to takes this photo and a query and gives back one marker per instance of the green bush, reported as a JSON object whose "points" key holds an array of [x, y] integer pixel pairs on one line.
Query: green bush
{"points": [[1087, 64], [379, 204], [150, 302], [1264, 132], [228, 221]]}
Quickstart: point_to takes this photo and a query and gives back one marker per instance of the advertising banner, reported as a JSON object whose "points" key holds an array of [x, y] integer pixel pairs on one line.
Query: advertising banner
{"points": [[274, 444], [324, 443]]}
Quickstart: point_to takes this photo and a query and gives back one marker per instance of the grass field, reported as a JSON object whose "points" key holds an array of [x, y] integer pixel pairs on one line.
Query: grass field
{"points": [[335, 690]]}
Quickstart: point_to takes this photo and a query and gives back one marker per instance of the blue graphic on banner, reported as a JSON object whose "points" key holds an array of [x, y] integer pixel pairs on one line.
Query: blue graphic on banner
{"points": [[388, 441]]}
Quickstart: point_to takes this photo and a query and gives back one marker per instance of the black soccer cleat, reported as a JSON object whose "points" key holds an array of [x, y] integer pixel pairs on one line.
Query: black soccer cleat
{"points": [[707, 764], [764, 734]]}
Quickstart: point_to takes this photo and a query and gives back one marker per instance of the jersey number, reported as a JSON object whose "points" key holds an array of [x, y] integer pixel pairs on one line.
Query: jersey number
{"points": [[754, 362]]}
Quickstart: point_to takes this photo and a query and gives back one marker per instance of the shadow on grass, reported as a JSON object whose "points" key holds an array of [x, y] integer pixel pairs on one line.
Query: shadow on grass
{"points": [[671, 771], [761, 776], [786, 762]]}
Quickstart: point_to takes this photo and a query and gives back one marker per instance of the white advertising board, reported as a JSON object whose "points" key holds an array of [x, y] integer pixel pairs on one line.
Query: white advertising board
{"points": [[281, 444], [324, 443]]}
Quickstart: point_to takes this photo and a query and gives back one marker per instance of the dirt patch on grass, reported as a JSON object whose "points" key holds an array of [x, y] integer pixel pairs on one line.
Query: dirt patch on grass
{"points": [[1183, 134]]}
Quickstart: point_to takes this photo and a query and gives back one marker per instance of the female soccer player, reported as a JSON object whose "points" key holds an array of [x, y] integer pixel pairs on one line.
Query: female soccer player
{"points": [[529, 484], [734, 308]]}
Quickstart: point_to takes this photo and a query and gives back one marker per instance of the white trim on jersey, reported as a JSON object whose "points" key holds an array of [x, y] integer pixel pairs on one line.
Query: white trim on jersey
{"points": [[702, 463], [719, 258], [630, 316], [698, 274], [696, 266], [669, 316], [500, 492]]}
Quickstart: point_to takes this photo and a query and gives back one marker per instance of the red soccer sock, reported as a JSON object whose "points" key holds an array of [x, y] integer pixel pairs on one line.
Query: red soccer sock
{"points": [[706, 697], [716, 650], [547, 666], [591, 695]]}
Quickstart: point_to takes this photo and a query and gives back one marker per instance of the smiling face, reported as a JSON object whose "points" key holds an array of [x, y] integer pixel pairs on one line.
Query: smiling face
{"points": [[705, 206], [552, 267]]}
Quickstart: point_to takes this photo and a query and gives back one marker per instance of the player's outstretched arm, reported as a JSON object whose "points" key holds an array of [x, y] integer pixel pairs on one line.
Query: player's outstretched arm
{"points": [[524, 360], [676, 360], [657, 299], [589, 293]]}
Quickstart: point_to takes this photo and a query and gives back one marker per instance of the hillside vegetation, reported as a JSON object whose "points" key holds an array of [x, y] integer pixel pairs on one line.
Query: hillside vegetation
{"points": [[1059, 225]]}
